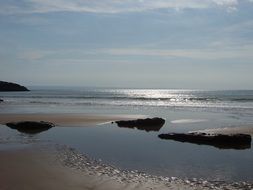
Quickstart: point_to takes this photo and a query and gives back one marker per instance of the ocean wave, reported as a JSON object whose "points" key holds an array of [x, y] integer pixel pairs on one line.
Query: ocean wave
{"points": [[140, 98], [160, 98], [118, 98], [184, 105], [242, 99]]}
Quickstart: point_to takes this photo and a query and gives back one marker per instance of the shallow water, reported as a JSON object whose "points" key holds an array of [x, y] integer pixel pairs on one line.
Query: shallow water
{"points": [[134, 149], [140, 150]]}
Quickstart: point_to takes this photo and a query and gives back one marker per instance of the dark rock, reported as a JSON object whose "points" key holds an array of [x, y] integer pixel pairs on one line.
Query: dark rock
{"points": [[8, 86], [149, 124], [232, 141], [1, 100], [30, 127]]}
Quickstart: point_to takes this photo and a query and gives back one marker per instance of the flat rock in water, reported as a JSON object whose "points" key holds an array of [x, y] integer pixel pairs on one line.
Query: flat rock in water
{"points": [[1, 100], [9, 86], [30, 127], [148, 124], [232, 141]]}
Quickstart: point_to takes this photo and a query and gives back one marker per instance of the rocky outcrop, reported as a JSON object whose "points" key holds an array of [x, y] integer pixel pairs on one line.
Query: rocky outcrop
{"points": [[8, 86], [1, 100], [30, 127], [148, 124], [232, 141]]}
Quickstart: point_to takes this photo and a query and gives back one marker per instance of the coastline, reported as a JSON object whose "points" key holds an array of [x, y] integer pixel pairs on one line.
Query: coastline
{"points": [[62, 120], [54, 166], [244, 129], [57, 169], [62, 167], [30, 169], [70, 169]]}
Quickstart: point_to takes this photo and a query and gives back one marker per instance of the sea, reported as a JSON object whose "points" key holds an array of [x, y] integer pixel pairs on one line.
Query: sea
{"points": [[142, 150]]}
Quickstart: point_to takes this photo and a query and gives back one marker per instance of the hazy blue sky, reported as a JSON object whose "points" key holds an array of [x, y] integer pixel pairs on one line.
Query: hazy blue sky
{"points": [[128, 43]]}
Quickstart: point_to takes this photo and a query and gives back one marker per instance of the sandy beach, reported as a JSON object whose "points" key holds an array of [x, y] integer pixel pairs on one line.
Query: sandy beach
{"points": [[66, 119], [29, 169], [35, 168], [64, 168], [52, 166], [229, 130]]}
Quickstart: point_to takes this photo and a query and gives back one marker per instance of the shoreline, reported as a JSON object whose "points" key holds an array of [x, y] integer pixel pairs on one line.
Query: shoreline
{"points": [[62, 119], [52, 166], [244, 129], [62, 167]]}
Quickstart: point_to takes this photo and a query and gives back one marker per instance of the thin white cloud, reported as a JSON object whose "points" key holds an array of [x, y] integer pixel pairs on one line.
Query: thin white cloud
{"points": [[94, 55], [49, 54], [244, 52], [109, 6], [33, 55]]}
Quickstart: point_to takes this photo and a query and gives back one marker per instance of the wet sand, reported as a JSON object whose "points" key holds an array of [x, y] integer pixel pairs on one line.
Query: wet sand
{"points": [[61, 167], [229, 130], [29, 169], [64, 168], [66, 119]]}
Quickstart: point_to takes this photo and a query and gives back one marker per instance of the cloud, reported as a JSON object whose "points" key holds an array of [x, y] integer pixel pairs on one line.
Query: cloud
{"points": [[34, 55], [244, 52], [109, 6], [54, 54], [122, 55]]}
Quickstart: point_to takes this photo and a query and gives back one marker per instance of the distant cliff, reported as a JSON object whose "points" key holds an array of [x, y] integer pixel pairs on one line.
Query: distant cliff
{"points": [[8, 86]]}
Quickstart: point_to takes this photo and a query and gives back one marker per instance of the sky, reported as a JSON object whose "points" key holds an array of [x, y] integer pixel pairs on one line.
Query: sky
{"points": [[189, 44]]}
